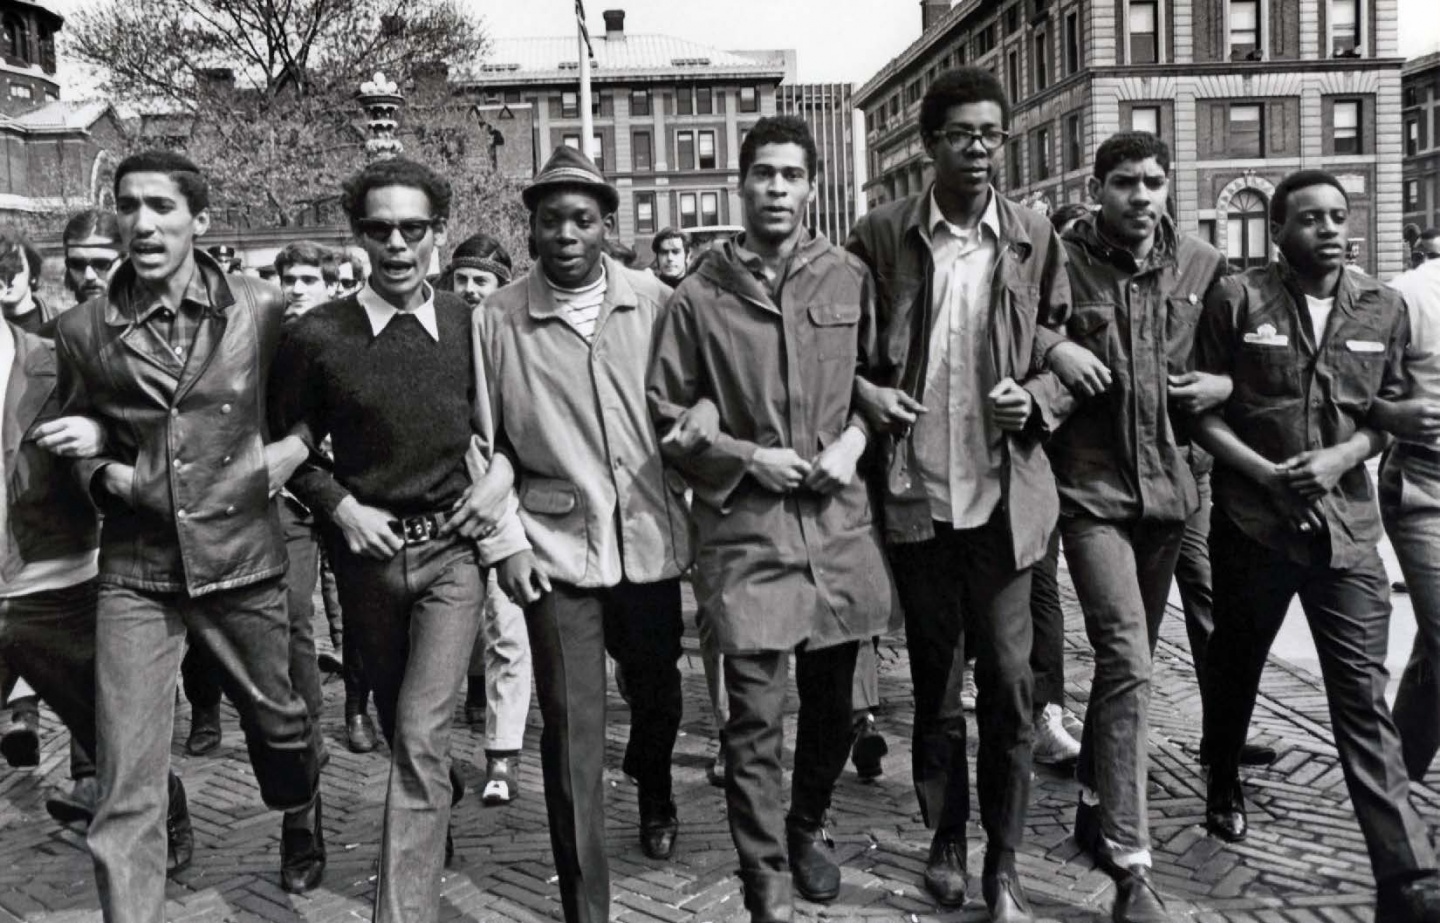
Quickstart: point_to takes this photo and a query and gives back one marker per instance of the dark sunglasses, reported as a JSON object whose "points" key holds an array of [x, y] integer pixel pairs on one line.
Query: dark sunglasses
{"points": [[100, 264], [412, 230]]}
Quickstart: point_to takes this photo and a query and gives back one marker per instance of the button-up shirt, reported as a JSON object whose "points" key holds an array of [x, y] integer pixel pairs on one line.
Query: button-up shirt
{"points": [[1421, 288], [957, 445], [174, 330], [381, 312]]}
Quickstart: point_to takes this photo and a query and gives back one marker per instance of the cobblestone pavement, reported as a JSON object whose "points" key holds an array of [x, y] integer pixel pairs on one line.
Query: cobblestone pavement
{"points": [[1304, 861]]}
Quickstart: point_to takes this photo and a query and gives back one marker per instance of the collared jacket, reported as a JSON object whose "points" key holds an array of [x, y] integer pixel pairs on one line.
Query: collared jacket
{"points": [[48, 514], [1293, 394], [1120, 455], [595, 500], [772, 570], [1029, 305], [200, 518]]}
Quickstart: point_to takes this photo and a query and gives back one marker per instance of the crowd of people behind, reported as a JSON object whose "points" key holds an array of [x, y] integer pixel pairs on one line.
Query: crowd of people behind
{"points": [[497, 478]]}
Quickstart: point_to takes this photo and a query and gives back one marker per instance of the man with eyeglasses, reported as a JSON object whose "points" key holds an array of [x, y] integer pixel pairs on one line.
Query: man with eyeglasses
{"points": [[405, 498], [969, 500]]}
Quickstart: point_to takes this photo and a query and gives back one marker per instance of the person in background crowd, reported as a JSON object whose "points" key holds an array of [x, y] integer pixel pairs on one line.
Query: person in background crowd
{"points": [[353, 269], [1126, 488], [20, 265], [610, 532], [173, 365], [388, 374], [92, 248], [497, 693], [789, 557], [1427, 248], [1314, 351], [672, 257], [225, 256]]}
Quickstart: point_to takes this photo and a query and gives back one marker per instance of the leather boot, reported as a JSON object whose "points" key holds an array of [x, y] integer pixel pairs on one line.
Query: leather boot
{"points": [[769, 896], [204, 730], [658, 827], [302, 854], [816, 877], [179, 836]]}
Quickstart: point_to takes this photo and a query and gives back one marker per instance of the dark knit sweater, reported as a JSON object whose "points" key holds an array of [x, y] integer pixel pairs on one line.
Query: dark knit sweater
{"points": [[397, 406]]}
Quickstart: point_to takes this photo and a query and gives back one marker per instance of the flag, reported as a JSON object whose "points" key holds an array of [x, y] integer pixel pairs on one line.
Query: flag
{"points": [[584, 32]]}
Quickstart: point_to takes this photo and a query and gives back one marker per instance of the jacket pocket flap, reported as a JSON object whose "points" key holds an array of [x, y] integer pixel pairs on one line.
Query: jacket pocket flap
{"points": [[1088, 318], [550, 498], [834, 315]]}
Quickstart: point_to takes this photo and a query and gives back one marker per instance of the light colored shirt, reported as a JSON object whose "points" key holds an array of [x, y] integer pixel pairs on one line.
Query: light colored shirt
{"points": [[1421, 288], [381, 312], [54, 573], [957, 445], [581, 305], [1320, 309]]}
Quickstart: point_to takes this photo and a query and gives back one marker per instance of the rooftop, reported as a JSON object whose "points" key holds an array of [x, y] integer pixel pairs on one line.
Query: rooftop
{"points": [[555, 58], [60, 115]]}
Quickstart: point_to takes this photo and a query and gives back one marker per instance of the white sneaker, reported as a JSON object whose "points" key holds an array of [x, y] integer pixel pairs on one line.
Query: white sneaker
{"points": [[967, 689], [1073, 725], [1053, 744]]}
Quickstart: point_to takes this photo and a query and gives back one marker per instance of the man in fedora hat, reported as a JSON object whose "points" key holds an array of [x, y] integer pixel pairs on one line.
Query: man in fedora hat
{"points": [[609, 529]]}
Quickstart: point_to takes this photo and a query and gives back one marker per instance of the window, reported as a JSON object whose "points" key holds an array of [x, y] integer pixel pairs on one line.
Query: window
{"points": [[21, 91], [644, 213], [1347, 126], [1014, 173], [707, 150], [1247, 130], [1012, 74], [960, 56], [912, 93], [1042, 61], [597, 145], [1145, 118], [1074, 143], [571, 141], [569, 105], [1072, 43], [685, 100], [704, 101], [47, 49], [1412, 195], [1012, 19], [709, 208], [641, 152], [1144, 32], [1042, 153], [602, 104], [689, 210], [639, 102], [685, 149], [985, 40], [1207, 230], [1246, 236], [749, 99], [1345, 28], [1412, 137], [1244, 29]]}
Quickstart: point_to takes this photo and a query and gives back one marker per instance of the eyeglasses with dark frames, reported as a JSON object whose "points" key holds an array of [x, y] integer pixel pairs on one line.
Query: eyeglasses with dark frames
{"points": [[412, 230], [960, 139]]}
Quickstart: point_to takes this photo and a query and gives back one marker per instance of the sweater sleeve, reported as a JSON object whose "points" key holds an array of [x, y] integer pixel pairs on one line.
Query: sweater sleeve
{"points": [[296, 398]]}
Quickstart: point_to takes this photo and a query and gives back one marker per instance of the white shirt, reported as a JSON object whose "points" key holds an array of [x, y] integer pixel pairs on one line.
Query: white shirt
{"points": [[381, 312], [957, 445], [1320, 309], [582, 305], [52, 573], [1421, 288]]}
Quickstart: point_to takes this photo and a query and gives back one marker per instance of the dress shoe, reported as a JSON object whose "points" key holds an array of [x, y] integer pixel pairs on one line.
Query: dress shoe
{"points": [[329, 663], [1088, 835], [20, 744], [76, 806], [868, 750], [360, 733], [1005, 897], [302, 854], [1225, 808], [1250, 755], [501, 776], [1136, 900], [204, 730], [1415, 901], [769, 897], [715, 772], [179, 837], [658, 827], [816, 877], [945, 869]]}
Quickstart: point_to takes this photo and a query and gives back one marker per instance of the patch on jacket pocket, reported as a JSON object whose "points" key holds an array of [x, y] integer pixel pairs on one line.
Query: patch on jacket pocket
{"points": [[548, 499]]}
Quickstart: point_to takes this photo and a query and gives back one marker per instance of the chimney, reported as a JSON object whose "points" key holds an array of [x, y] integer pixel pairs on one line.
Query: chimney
{"points": [[931, 12], [614, 25]]}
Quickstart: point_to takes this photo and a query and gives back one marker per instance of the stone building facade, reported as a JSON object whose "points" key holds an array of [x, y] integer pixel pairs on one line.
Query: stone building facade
{"points": [[1420, 110], [829, 110]]}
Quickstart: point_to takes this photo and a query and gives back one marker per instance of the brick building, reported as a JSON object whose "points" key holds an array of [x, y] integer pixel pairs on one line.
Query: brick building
{"points": [[1244, 91], [27, 54], [669, 116], [829, 109], [1420, 109]]}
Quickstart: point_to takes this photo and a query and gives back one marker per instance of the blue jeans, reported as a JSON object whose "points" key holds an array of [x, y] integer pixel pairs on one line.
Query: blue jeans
{"points": [[139, 639], [414, 617], [1122, 572]]}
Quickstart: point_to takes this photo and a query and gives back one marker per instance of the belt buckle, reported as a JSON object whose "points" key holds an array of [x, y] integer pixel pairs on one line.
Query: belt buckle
{"points": [[419, 529]]}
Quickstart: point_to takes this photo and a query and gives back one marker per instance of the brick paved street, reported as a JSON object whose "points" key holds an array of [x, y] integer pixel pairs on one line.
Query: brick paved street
{"points": [[1304, 861]]}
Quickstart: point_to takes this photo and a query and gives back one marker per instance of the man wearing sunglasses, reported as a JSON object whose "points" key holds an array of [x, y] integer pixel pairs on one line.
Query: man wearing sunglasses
{"points": [[388, 374], [92, 248], [969, 500]]}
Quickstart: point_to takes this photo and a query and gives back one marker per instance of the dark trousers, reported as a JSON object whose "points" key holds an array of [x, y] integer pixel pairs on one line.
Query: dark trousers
{"points": [[961, 592], [1192, 576], [1349, 615], [570, 629], [415, 616], [200, 675], [139, 636], [352, 665], [1047, 652]]}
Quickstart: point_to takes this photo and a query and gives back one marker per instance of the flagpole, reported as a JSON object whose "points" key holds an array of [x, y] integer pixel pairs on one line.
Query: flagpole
{"points": [[587, 121]]}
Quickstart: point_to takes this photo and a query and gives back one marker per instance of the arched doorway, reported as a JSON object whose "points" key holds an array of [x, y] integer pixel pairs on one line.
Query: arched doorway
{"points": [[1247, 231]]}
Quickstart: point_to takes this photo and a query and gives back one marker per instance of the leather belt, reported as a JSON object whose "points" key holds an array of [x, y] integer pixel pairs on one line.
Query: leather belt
{"points": [[417, 530]]}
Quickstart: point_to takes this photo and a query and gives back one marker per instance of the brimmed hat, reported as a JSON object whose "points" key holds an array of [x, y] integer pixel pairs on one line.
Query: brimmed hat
{"points": [[569, 167]]}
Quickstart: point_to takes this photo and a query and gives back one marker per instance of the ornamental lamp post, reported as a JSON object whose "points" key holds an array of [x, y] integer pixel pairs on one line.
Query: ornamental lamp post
{"points": [[381, 100]]}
